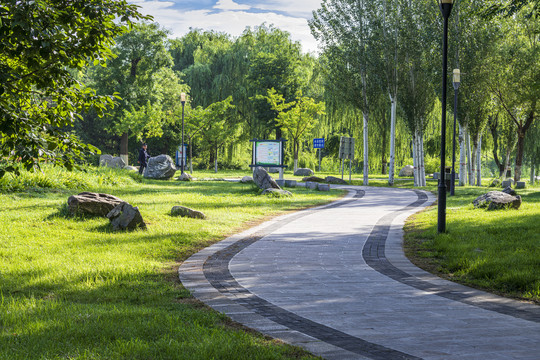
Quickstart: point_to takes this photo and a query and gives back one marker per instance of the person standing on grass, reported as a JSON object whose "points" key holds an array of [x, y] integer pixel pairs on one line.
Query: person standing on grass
{"points": [[143, 158]]}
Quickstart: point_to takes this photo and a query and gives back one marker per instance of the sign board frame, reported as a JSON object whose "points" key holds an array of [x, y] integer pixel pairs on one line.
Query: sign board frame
{"points": [[318, 143], [268, 153]]}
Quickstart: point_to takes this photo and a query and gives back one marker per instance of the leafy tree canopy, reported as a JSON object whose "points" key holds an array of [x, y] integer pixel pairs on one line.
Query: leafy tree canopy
{"points": [[41, 43]]}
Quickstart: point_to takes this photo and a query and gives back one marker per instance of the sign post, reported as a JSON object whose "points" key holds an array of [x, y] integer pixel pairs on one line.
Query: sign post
{"points": [[318, 143], [346, 151], [181, 156], [268, 153]]}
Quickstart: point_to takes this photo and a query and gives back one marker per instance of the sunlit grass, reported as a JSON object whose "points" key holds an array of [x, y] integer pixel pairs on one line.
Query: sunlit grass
{"points": [[71, 288], [494, 250]]}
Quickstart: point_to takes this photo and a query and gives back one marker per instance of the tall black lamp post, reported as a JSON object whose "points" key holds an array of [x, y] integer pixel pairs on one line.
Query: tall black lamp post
{"points": [[183, 101], [446, 9], [456, 87]]}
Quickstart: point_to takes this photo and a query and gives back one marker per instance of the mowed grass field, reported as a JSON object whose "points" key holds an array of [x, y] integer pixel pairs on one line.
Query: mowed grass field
{"points": [[72, 289], [498, 251]]}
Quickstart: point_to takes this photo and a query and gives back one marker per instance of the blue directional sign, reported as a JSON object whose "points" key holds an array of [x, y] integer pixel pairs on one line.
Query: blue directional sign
{"points": [[318, 143]]}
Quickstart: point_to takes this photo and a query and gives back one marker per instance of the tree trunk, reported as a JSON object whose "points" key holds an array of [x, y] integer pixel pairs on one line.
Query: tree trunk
{"points": [[215, 160], [295, 151], [507, 162], [124, 148], [519, 156], [391, 172], [495, 136], [469, 162], [212, 157], [190, 156], [415, 159], [422, 161], [479, 161], [366, 150], [462, 157], [532, 172], [474, 160], [383, 156]]}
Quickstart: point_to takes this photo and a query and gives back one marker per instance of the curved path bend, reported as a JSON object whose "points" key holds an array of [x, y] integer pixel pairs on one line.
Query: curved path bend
{"points": [[334, 280]]}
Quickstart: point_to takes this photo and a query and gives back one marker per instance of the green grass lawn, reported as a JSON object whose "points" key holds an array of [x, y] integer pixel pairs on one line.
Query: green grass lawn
{"points": [[498, 251], [72, 289]]}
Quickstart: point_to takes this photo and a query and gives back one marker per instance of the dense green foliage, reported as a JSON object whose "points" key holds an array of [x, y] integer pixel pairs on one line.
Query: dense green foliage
{"points": [[41, 43]]}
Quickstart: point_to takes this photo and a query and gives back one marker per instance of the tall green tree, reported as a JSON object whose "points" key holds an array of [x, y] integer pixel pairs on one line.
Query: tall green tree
{"points": [[297, 117], [142, 77], [41, 43], [517, 83], [343, 29]]}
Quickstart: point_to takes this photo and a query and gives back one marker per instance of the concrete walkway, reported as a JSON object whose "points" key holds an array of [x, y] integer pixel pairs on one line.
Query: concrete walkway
{"points": [[334, 281]]}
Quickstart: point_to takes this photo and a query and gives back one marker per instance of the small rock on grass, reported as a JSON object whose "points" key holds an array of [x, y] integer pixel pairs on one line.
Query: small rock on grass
{"points": [[126, 217], [185, 177], [187, 212], [246, 179], [277, 193]]}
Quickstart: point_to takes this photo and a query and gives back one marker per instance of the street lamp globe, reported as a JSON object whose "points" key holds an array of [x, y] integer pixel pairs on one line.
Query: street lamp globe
{"points": [[457, 78]]}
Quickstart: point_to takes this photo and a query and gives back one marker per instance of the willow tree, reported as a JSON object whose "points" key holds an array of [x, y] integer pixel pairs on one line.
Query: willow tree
{"points": [[343, 29], [517, 83]]}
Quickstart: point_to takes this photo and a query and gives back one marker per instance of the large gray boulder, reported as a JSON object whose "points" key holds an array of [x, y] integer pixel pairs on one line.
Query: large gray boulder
{"points": [[335, 180], [105, 159], [93, 204], [187, 212], [495, 200], [160, 167], [303, 172], [111, 161], [126, 217], [407, 170], [277, 193], [263, 180]]}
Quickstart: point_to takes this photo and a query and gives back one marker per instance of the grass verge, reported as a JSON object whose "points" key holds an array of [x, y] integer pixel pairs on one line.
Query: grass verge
{"points": [[72, 289], [497, 251]]}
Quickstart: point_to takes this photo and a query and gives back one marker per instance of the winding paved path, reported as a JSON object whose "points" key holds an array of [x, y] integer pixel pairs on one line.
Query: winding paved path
{"points": [[334, 281]]}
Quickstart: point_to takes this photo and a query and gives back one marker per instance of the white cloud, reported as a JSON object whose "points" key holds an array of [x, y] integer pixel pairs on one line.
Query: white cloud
{"points": [[231, 21], [230, 5]]}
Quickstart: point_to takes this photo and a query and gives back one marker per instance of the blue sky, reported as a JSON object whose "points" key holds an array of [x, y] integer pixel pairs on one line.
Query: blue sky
{"points": [[233, 16]]}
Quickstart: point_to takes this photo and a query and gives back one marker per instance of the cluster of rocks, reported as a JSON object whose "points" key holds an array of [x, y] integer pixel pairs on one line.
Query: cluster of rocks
{"points": [[496, 200], [317, 183], [267, 184], [508, 183], [159, 167], [121, 214]]}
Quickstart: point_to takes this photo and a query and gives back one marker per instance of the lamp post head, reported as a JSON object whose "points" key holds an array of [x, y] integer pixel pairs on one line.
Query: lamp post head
{"points": [[183, 98], [457, 78], [446, 7]]}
